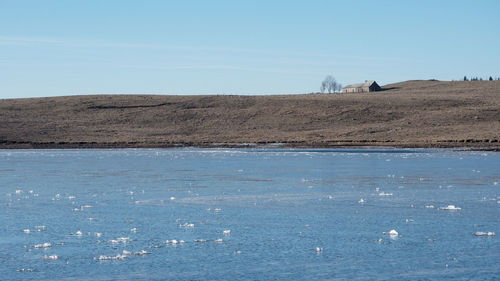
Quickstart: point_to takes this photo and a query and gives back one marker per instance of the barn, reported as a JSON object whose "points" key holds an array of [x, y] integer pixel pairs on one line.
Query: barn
{"points": [[368, 86]]}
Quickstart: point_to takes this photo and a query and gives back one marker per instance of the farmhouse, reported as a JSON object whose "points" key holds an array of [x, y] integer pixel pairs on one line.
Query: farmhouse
{"points": [[368, 86]]}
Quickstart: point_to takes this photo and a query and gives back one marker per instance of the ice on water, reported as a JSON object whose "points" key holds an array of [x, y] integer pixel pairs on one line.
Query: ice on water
{"points": [[450, 208], [291, 210]]}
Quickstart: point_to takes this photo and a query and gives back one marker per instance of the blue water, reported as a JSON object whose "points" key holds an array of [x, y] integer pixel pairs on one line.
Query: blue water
{"points": [[292, 214]]}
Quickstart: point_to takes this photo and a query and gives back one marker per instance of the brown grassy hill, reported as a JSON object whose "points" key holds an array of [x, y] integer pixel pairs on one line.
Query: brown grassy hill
{"points": [[412, 113]]}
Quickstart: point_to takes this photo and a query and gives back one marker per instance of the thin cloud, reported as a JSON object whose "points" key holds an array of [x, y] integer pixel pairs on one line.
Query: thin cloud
{"points": [[8, 40]]}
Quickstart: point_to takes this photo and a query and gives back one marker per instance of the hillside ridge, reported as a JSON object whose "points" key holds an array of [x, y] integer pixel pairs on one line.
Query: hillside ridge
{"points": [[414, 113]]}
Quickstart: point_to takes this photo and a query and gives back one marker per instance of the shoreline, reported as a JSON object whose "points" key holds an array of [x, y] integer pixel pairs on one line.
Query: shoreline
{"points": [[476, 145]]}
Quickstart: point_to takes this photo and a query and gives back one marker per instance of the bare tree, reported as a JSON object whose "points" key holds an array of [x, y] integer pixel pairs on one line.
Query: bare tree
{"points": [[339, 88], [330, 85], [323, 86]]}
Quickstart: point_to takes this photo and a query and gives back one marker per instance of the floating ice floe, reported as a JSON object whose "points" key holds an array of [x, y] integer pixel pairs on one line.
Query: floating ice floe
{"points": [[361, 201], [44, 245], [120, 240], [117, 257], [226, 232], [142, 253], [25, 270], [51, 257], [480, 233], [384, 194], [172, 242], [450, 208], [391, 233], [187, 225]]}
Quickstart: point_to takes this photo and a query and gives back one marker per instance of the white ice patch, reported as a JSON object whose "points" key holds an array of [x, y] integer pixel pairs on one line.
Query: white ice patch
{"points": [[44, 245], [40, 227], [117, 257], [450, 208], [384, 194], [51, 257], [142, 253], [391, 233], [172, 242], [480, 233], [187, 225], [120, 240]]}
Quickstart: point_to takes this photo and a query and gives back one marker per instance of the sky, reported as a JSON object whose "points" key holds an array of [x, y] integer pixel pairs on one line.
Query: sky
{"points": [[56, 48]]}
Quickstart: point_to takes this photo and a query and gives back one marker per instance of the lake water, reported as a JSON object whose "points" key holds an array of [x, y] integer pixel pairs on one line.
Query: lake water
{"points": [[248, 214]]}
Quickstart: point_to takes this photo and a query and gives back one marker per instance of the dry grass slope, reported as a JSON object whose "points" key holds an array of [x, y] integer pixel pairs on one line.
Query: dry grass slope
{"points": [[410, 114]]}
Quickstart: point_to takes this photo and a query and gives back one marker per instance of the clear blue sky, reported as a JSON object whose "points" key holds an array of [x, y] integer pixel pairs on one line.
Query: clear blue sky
{"points": [[52, 48]]}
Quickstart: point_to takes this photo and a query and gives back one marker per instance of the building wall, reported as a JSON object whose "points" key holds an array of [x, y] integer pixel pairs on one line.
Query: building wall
{"points": [[356, 90]]}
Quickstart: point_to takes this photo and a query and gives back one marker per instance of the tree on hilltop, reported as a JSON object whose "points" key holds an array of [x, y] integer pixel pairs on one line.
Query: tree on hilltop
{"points": [[330, 85]]}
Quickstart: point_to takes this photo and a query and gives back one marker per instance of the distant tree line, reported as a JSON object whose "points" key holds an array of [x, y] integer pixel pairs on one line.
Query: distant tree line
{"points": [[330, 85], [479, 78]]}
